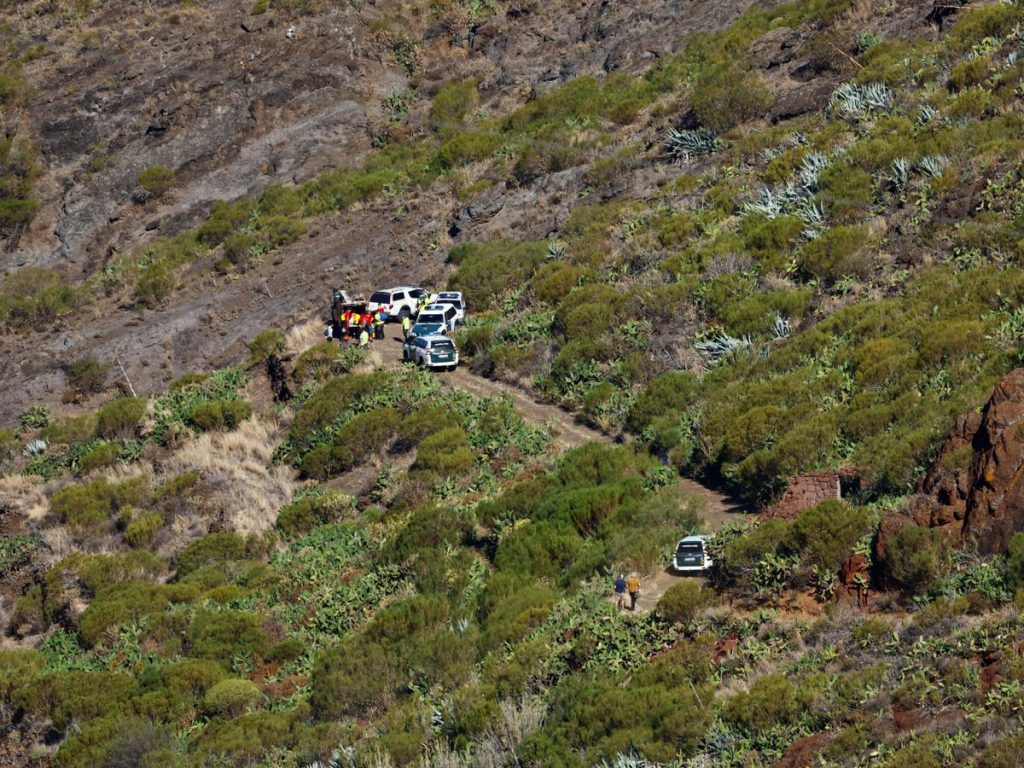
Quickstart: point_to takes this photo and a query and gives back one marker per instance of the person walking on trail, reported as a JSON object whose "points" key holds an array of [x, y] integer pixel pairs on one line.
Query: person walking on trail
{"points": [[364, 338], [421, 302], [633, 587], [620, 591], [406, 327], [378, 325]]}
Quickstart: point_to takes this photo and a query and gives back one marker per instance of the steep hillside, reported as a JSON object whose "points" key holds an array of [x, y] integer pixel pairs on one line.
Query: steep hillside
{"points": [[701, 243]]}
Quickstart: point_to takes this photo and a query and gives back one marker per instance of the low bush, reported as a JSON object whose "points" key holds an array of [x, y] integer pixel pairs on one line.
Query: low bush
{"points": [[726, 95], [86, 376], [771, 701], [445, 452], [362, 435], [98, 457], [157, 180], [120, 418], [915, 557], [225, 636], [485, 271], [264, 344], [219, 414], [143, 528], [34, 297], [840, 252], [827, 534], [91, 508], [683, 602], [231, 697], [209, 549], [300, 517]]}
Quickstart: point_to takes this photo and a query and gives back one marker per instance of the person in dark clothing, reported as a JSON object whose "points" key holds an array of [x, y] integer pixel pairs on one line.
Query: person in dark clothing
{"points": [[620, 591]]}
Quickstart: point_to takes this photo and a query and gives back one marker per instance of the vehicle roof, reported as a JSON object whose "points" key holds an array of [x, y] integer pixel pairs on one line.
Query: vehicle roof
{"points": [[451, 294], [692, 540], [436, 337], [397, 288]]}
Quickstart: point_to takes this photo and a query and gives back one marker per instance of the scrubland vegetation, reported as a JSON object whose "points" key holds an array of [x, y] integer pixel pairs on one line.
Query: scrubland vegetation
{"points": [[789, 297]]}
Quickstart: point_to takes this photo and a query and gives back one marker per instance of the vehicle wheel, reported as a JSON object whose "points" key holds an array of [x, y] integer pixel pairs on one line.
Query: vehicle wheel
{"points": [[451, 368]]}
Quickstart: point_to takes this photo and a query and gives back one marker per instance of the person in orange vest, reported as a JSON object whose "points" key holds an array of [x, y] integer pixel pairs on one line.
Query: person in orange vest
{"points": [[633, 587]]}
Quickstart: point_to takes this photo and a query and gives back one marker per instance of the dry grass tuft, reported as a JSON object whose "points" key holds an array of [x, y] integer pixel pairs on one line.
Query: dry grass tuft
{"points": [[238, 469], [302, 336], [24, 496]]}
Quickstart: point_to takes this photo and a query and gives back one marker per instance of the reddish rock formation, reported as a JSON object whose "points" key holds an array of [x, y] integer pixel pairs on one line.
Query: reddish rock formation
{"points": [[803, 753], [806, 492], [975, 489]]}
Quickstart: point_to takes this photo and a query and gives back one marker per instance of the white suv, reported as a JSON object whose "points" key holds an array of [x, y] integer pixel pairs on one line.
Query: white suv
{"points": [[691, 556], [454, 299], [431, 351], [397, 302], [442, 314]]}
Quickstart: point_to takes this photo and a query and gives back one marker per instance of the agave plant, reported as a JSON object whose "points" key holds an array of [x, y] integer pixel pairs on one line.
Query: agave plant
{"points": [[556, 249], [933, 165], [811, 168], [781, 328], [632, 760], [926, 114], [900, 173], [853, 100], [682, 145], [723, 346]]}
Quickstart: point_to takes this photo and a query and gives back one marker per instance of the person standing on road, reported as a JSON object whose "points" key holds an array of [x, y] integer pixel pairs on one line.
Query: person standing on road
{"points": [[620, 591], [633, 587], [406, 327], [378, 325]]}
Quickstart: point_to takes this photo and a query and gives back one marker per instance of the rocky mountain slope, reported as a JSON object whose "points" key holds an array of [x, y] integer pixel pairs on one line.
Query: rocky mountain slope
{"points": [[771, 248]]}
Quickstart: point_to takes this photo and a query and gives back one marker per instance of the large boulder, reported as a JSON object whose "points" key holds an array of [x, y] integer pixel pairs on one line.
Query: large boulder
{"points": [[975, 488]]}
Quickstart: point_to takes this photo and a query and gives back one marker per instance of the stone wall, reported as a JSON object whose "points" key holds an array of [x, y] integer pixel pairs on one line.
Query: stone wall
{"points": [[805, 492]]}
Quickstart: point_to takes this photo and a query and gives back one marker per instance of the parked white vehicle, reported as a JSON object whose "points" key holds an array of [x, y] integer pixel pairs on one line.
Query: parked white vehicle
{"points": [[453, 298], [442, 314], [396, 302], [691, 556], [431, 351]]}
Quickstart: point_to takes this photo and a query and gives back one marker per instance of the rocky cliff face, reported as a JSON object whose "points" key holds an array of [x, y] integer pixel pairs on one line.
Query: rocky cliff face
{"points": [[976, 486]]}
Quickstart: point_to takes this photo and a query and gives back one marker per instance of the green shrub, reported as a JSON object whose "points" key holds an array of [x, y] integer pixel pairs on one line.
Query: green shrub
{"points": [[86, 376], [300, 517], [225, 636], [771, 241], [142, 530], [157, 180], [827, 534], [1003, 753], [771, 701], [91, 508], [34, 297], [361, 436], [741, 555], [264, 344], [98, 457], [469, 147], [231, 697], [726, 95], [485, 271], [446, 452], [155, 282], [224, 219], [915, 557], [210, 415], [324, 406], [453, 102], [1015, 561], [245, 740], [120, 418], [847, 192], [839, 252], [545, 549], [212, 548], [684, 601], [127, 602]]}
